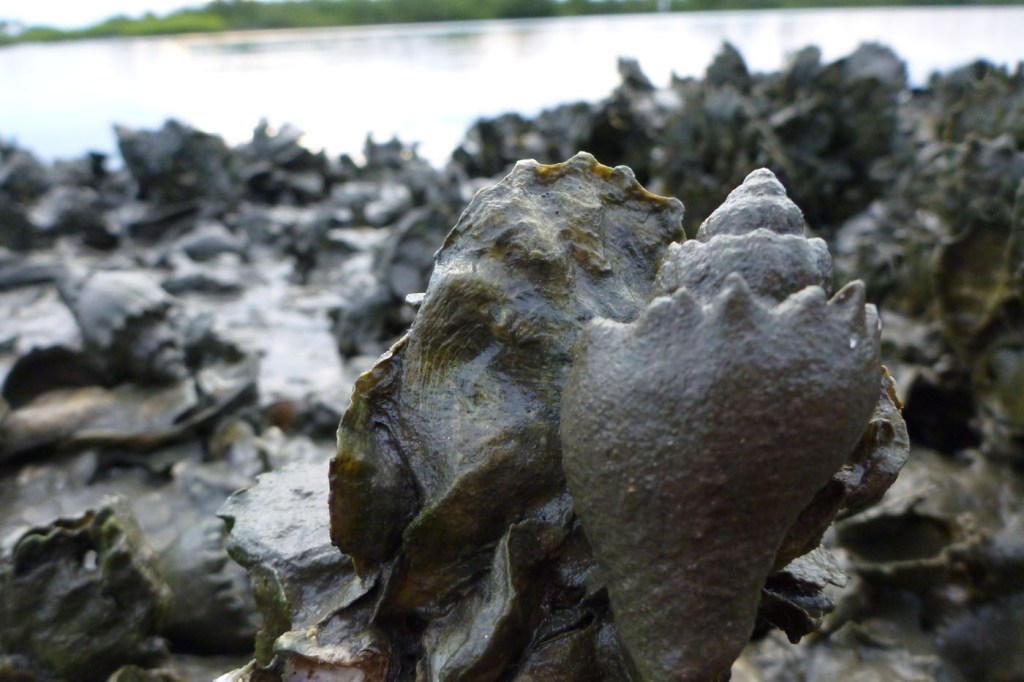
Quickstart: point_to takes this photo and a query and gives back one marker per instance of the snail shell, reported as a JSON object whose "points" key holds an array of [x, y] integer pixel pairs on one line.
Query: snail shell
{"points": [[693, 436]]}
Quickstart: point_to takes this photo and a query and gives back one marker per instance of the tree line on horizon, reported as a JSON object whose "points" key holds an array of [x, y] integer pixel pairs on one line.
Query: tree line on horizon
{"points": [[241, 15]]}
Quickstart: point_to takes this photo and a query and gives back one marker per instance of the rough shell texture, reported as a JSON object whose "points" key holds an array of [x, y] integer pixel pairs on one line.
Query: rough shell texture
{"points": [[82, 596], [694, 437], [946, 249], [212, 605], [453, 435]]}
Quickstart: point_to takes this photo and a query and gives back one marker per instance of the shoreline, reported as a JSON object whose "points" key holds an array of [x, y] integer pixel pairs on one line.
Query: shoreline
{"points": [[131, 27], [224, 83]]}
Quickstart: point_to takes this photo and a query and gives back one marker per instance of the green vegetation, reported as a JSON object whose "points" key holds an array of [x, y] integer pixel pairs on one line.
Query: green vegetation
{"points": [[240, 15]]}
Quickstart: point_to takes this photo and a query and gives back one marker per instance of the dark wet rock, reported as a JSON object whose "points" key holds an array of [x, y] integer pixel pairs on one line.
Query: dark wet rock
{"points": [[407, 258], [88, 170], [985, 643], [831, 132], [74, 210], [974, 302], [353, 240], [205, 591], [212, 239], [19, 234], [795, 599], [389, 202], [203, 281], [148, 223], [211, 610], [35, 319], [372, 203], [941, 559], [42, 370], [217, 271], [623, 127], [946, 249], [387, 156], [820, 129], [279, 534], [837, 175], [728, 68], [82, 596], [492, 146], [393, 181], [376, 273], [360, 323], [146, 377], [998, 377], [23, 177], [126, 416], [22, 274], [130, 325], [980, 99], [857, 651], [75, 417], [180, 168], [277, 168], [102, 405], [375, 284], [908, 539]]}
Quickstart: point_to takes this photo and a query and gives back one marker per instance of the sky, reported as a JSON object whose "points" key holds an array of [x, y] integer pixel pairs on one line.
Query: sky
{"points": [[80, 13]]}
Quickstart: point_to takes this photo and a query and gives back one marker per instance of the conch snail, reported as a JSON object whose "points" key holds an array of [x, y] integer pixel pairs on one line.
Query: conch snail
{"points": [[695, 435]]}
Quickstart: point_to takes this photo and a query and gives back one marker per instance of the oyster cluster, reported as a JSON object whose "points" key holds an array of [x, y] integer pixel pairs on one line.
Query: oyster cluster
{"points": [[594, 428]]}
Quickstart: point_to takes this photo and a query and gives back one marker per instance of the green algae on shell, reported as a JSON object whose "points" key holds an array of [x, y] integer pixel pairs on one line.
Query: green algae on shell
{"points": [[82, 596], [452, 436]]}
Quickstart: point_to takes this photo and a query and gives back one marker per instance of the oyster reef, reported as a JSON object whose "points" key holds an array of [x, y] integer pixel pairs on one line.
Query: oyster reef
{"points": [[584, 435]]}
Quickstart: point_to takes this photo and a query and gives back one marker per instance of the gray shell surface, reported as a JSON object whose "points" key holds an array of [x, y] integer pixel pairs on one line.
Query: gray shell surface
{"points": [[694, 436], [453, 435]]}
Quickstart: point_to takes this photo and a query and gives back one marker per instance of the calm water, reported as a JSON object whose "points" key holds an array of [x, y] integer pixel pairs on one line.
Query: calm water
{"points": [[427, 83]]}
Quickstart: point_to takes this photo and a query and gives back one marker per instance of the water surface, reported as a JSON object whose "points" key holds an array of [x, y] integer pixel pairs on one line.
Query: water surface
{"points": [[427, 83]]}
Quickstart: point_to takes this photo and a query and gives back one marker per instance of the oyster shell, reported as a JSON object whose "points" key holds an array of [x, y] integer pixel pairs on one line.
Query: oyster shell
{"points": [[82, 596], [463, 409]]}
